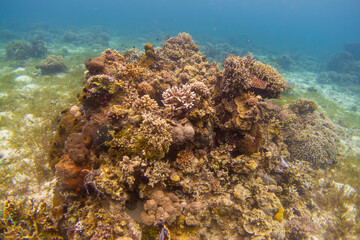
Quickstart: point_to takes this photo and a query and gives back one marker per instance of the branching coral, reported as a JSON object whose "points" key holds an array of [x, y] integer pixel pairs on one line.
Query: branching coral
{"points": [[179, 98]]}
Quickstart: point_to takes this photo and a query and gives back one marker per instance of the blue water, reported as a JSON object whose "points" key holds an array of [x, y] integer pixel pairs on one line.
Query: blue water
{"points": [[309, 26]]}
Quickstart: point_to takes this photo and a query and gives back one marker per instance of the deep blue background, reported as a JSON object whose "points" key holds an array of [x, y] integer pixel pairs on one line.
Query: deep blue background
{"points": [[311, 26]]}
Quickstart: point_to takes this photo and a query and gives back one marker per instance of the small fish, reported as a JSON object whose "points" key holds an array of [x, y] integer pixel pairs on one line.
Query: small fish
{"points": [[292, 86], [265, 59], [275, 63]]}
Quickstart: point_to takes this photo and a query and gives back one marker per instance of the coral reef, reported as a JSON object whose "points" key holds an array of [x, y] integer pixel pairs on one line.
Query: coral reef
{"points": [[169, 146], [52, 64]]}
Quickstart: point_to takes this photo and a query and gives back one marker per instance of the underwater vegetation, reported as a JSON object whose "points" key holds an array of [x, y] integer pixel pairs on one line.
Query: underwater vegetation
{"points": [[167, 145]]}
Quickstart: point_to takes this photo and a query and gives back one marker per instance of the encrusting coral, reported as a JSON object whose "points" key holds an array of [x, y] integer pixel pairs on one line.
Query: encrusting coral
{"points": [[168, 144]]}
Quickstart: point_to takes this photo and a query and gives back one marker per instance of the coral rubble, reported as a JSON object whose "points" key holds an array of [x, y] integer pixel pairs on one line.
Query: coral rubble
{"points": [[168, 144]]}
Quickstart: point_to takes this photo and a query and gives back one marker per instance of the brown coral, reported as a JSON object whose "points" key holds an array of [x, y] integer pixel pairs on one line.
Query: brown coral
{"points": [[145, 104], [246, 74]]}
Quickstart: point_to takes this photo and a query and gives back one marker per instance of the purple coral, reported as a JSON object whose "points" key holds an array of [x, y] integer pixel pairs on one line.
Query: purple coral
{"points": [[179, 98]]}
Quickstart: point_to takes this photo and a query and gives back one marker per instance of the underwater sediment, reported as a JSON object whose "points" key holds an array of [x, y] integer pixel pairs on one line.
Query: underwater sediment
{"points": [[166, 145]]}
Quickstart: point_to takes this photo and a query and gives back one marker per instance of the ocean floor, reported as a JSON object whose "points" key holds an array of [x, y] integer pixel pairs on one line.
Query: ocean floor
{"points": [[31, 104]]}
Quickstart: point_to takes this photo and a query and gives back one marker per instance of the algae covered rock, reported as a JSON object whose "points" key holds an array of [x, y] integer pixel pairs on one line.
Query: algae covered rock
{"points": [[20, 50], [52, 64]]}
